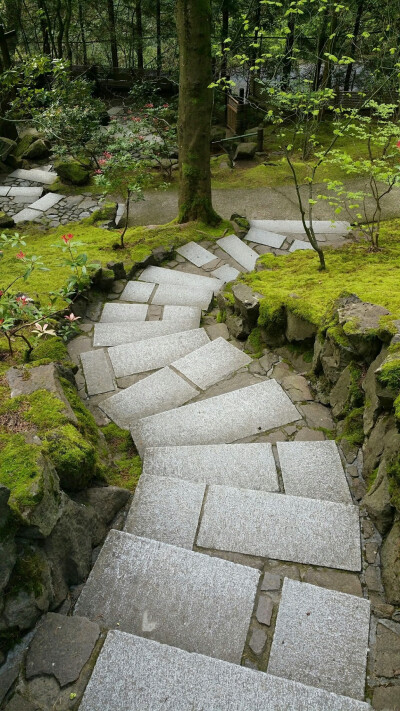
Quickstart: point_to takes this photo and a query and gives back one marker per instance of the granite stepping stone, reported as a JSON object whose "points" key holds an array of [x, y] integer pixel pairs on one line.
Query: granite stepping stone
{"points": [[159, 275], [138, 291], [211, 363], [155, 514], [25, 192], [321, 639], [296, 226], [299, 244], [97, 371], [137, 674], [170, 294], [35, 176], [27, 215], [46, 202], [314, 470], [281, 527], [221, 419], [247, 466], [115, 334], [123, 313], [4, 190], [226, 273], [170, 594], [158, 392], [182, 313], [269, 239], [196, 254], [154, 353], [239, 251]]}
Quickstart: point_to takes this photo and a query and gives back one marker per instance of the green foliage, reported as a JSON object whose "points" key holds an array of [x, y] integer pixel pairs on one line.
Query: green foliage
{"points": [[389, 372], [353, 427], [255, 342], [72, 455]]}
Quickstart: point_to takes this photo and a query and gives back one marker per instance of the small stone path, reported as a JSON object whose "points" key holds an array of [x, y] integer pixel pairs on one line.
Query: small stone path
{"points": [[22, 197], [241, 507]]}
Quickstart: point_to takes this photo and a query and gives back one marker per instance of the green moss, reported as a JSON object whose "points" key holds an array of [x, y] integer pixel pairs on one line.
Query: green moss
{"points": [[24, 144], [397, 410], [46, 410], [353, 429], [86, 422], [338, 335], [27, 574], [50, 349], [389, 372], [105, 213], [255, 342], [293, 281], [127, 466], [20, 471], [72, 455], [70, 171], [221, 316], [371, 479], [393, 472]]}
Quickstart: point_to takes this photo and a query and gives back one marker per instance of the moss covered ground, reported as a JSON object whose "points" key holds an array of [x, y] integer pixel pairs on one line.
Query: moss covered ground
{"points": [[294, 281]]}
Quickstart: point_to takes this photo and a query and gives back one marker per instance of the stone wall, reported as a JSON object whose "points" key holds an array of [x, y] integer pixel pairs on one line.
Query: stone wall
{"points": [[355, 368]]}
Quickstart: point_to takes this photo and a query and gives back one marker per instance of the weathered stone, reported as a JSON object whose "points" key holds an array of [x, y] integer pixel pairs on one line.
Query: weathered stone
{"points": [[159, 582], [386, 698], [217, 330], [339, 396], [237, 327], [268, 361], [6, 220], [297, 388], [37, 149], [390, 560], [105, 500], [245, 151], [196, 254], [387, 651], [339, 580], [372, 403], [8, 556], [11, 667], [304, 650], [240, 252], [61, 647], [317, 415], [371, 551], [257, 641], [98, 372], [271, 582], [70, 171], [307, 435], [298, 329], [225, 273], [23, 606], [24, 381], [264, 610], [362, 321], [7, 146], [40, 517], [377, 501], [19, 703], [247, 304]]}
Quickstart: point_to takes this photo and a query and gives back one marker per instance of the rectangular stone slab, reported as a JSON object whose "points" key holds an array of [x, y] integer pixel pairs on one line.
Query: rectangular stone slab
{"points": [[175, 596], [26, 215], [282, 527], [154, 353], [115, 334], [270, 239], [46, 202], [321, 638], [183, 295], [138, 291], [136, 674], [35, 175], [196, 254], [314, 470], [239, 251], [175, 277], [246, 466], [296, 226], [97, 371], [182, 313], [123, 312], [221, 419], [166, 510], [226, 273], [211, 363], [158, 392], [25, 192], [4, 190], [299, 244]]}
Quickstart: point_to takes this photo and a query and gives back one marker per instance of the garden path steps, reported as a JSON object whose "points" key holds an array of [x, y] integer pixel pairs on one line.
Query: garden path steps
{"points": [[187, 590]]}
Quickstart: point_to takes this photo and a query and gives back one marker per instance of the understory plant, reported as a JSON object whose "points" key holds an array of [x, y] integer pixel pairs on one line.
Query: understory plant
{"points": [[23, 318]]}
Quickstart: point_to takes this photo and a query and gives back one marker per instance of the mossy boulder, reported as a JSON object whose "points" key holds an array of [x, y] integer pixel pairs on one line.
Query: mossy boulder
{"points": [[38, 149], [298, 329], [347, 393], [70, 171], [6, 220], [73, 457], [390, 558], [107, 214], [7, 146], [26, 139]]}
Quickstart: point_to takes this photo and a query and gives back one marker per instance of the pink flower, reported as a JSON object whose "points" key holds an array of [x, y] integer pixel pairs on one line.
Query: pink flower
{"points": [[72, 317], [22, 300], [398, 145], [149, 106], [102, 161], [98, 172], [67, 238], [20, 255], [165, 106]]}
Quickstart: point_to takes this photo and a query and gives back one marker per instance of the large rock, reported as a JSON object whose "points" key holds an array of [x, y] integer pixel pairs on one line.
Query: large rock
{"points": [[390, 559], [387, 653], [70, 171], [370, 386], [298, 329], [30, 592], [8, 556], [7, 146], [40, 515], [335, 353], [247, 304], [245, 151], [105, 500], [37, 149], [377, 501], [24, 381], [374, 446], [361, 324], [26, 139]]}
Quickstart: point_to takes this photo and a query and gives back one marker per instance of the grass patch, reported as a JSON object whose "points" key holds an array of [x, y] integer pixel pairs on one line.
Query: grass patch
{"points": [[294, 282], [127, 465]]}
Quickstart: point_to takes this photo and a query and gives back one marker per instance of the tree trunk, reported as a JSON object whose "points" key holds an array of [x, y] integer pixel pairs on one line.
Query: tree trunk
{"points": [[83, 35], [224, 61], [139, 32], [356, 30], [193, 19], [158, 23], [113, 34], [322, 38]]}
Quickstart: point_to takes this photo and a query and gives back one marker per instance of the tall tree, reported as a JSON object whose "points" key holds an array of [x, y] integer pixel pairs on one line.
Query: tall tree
{"points": [[193, 18], [139, 34], [158, 30], [113, 33]]}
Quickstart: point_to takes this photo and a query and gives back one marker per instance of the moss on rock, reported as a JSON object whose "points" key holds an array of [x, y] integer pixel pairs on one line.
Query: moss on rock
{"points": [[73, 456], [70, 171]]}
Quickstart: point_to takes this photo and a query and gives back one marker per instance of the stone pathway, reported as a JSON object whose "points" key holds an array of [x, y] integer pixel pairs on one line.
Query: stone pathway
{"points": [[242, 578], [242, 546], [23, 197]]}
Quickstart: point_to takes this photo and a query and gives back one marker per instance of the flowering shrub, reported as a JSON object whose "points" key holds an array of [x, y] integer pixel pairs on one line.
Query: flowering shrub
{"points": [[20, 316]]}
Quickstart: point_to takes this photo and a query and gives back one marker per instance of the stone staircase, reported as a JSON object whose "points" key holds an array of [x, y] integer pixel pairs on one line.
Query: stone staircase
{"points": [[180, 589]]}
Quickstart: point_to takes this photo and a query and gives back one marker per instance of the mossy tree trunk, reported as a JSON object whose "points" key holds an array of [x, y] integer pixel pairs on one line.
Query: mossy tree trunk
{"points": [[193, 19]]}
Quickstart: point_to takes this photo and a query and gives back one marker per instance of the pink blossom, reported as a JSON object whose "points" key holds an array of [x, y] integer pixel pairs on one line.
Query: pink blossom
{"points": [[149, 106], [67, 238], [165, 106], [398, 145], [98, 172], [20, 255], [72, 317]]}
